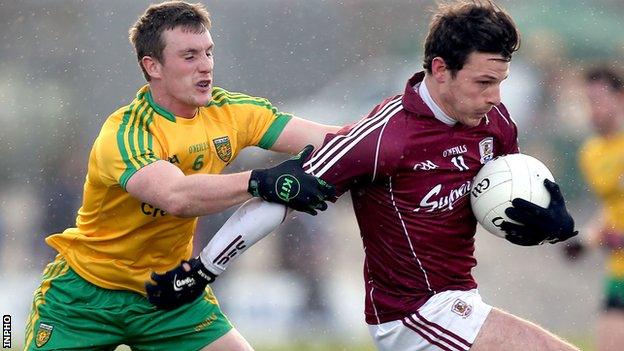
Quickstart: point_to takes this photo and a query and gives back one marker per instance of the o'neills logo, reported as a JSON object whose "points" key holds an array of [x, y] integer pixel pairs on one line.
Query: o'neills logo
{"points": [[432, 202], [456, 150]]}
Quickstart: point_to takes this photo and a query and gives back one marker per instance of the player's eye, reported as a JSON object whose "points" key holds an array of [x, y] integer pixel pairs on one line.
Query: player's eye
{"points": [[189, 58]]}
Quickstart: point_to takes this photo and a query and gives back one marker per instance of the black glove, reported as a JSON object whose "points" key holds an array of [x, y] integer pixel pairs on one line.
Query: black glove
{"points": [[179, 286], [537, 224], [288, 184]]}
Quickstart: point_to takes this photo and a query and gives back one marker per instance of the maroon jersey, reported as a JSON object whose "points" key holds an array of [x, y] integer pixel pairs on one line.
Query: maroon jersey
{"points": [[409, 176]]}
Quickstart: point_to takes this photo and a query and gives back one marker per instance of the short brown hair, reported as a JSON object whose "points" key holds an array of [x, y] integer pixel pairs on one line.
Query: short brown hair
{"points": [[460, 28], [146, 33]]}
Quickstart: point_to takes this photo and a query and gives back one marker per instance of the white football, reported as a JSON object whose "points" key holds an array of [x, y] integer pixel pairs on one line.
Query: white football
{"points": [[503, 179]]}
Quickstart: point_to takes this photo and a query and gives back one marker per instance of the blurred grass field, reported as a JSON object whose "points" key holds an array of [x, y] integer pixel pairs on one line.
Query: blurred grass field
{"points": [[585, 344]]}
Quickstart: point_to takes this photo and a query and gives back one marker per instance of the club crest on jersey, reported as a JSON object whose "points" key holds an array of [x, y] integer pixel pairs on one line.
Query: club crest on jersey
{"points": [[486, 149], [43, 334], [461, 308], [223, 147]]}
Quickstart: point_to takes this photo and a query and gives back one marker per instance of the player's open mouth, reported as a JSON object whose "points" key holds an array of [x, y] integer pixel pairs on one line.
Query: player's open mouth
{"points": [[203, 83]]}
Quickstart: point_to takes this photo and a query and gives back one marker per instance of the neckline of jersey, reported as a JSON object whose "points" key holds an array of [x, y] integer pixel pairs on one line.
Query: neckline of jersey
{"points": [[165, 113], [438, 113]]}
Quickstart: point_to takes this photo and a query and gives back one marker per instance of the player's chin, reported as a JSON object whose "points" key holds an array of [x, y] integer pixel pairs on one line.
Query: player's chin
{"points": [[203, 99], [474, 121]]}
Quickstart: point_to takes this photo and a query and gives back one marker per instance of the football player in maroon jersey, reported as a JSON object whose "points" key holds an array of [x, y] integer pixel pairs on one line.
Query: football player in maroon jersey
{"points": [[409, 165]]}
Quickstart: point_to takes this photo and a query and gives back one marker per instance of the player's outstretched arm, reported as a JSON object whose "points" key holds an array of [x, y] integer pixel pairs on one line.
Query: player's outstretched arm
{"points": [[537, 224], [163, 185], [300, 132], [251, 222]]}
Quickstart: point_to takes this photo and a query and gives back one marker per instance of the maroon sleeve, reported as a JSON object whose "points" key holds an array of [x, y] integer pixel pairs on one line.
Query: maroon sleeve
{"points": [[361, 153]]}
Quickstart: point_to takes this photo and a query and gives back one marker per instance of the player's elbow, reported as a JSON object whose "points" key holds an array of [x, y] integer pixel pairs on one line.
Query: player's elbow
{"points": [[179, 207]]}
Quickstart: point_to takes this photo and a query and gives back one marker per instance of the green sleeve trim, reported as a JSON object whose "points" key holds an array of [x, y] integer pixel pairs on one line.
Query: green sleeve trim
{"points": [[274, 131], [123, 180], [129, 172]]}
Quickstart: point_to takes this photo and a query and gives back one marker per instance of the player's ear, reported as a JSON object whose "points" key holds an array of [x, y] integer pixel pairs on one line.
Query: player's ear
{"points": [[439, 70], [151, 66]]}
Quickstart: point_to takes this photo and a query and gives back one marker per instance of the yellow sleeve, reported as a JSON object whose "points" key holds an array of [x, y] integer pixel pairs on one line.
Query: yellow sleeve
{"points": [[268, 127], [125, 145], [598, 170], [259, 121]]}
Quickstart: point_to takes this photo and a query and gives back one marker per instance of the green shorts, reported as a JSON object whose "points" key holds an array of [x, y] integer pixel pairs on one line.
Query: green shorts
{"points": [[69, 313]]}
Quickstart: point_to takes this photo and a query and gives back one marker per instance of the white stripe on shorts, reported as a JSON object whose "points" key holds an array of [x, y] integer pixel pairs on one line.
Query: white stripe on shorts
{"points": [[435, 334]]}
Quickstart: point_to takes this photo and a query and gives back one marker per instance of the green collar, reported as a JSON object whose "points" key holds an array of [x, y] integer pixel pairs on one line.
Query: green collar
{"points": [[159, 109]]}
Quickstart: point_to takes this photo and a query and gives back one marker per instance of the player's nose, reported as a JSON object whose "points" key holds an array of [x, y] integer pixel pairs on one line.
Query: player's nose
{"points": [[494, 96], [206, 64]]}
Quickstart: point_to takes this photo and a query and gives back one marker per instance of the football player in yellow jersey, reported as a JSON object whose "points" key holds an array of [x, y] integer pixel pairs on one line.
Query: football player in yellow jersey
{"points": [[152, 170], [601, 160]]}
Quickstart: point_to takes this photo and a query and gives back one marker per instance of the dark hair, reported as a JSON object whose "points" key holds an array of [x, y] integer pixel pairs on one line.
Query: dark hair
{"points": [[463, 27], [609, 76], [146, 33]]}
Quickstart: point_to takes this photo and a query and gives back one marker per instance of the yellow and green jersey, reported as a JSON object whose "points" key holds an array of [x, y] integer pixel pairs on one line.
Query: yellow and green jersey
{"points": [[602, 163], [118, 240]]}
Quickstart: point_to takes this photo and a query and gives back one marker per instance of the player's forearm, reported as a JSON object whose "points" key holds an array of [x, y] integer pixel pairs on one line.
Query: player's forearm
{"points": [[254, 220], [163, 185], [202, 194]]}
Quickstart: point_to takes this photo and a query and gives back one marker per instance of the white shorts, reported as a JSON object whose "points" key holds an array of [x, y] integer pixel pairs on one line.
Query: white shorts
{"points": [[448, 321]]}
